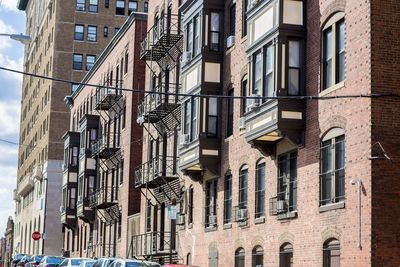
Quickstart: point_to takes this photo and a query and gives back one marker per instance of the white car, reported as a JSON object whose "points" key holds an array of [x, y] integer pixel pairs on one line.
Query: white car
{"points": [[70, 262], [87, 263], [133, 263]]}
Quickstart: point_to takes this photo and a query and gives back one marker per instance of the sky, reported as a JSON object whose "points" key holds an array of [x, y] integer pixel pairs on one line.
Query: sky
{"points": [[11, 56]]}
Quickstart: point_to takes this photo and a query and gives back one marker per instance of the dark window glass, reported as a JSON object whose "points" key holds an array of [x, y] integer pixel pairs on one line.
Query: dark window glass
{"points": [[260, 190], [340, 57], [294, 68], [90, 60], [244, 18], [79, 32], [243, 181], [327, 58], [232, 20], [332, 170], [191, 199], [121, 172], [257, 257], [240, 258], [331, 253], [228, 198], [107, 3], [286, 255], [148, 217], [126, 62], [146, 7], [120, 7], [105, 32], [287, 181], [74, 87], [244, 93], [77, 64], [215, 32], [212, 117]]}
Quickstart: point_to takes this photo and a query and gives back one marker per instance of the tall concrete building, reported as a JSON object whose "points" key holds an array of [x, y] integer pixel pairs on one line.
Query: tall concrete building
{"points": [[67, 36], [272, 179]]}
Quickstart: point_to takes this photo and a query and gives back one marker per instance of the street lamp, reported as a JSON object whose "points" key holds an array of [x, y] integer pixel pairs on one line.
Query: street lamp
{"points": [[18, 37]]}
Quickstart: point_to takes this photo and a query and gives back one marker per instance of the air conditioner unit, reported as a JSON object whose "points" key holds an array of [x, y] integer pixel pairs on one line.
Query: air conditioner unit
{"points": [[242, 123], [181, 219], [253, 103], [184, 139], [280, 206], [80, 8], [91, 38], [242, 215], [62, 209], [212, 220], [230, 41], [186, 57]]}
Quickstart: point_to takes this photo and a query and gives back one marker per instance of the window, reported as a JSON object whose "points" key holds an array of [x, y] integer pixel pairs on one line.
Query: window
{"points": [[132, 6], [105, 32], [91, 185], [331, 253], [244, 93], [333, 51], [212, 117], [189, 259], [243, 179], [240, 257], [80, 5], [257, 73], [229, 127], [107, 3], [286, 255], [74, 87], [211, 203], [228, 198], [75, 154], [332, 167], [191, 199], [260, 189], [77, 64], [294, 68], [257, 257], [93, 6], [73, 199], [126, 62], [90, 61], [269, 72], [146, 7], [119, 225], [92, 34], [244, 18], [148, 216], [215, 32], [190, 121], [189, 43], [196, 35], [120, 7], [287, 180], [79, 32], [121, 172], [232, 18]]}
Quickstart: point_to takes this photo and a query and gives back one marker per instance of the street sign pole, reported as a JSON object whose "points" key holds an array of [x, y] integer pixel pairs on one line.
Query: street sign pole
{"points": [[172, 218]]}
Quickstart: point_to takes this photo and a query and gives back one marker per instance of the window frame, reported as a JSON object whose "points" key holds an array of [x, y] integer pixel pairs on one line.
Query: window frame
{"points": [[260, 192], [95, 7], [119, 11], [240, 257], [79, 36], [92, 32], [228, 198], [285, 159], [330, 246], [130, 10], [211, 197], [80, 3], [243, 196], [230, 113], [337, 73], [88, 67], [76, 64]]}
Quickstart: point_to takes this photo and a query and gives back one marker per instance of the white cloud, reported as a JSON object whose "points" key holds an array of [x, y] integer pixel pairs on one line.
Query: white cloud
{"points": [[5, 42], [9, 117], [7, 62], [9, 5]]}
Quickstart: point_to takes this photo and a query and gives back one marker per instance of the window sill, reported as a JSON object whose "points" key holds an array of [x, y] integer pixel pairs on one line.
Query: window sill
{"points": [[210, 229], [243, 224], [332, 89], [288, 215], [259, 220], [227, 226], [334, 206]]}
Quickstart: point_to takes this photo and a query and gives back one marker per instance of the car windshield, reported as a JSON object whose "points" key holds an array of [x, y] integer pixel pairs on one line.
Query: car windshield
{"points": [[54, 260], [76, 261], [18, 256], [109, 262]]}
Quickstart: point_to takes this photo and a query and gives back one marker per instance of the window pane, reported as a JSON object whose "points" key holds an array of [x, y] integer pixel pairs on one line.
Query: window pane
{"points": [[269, 86], [257, 74], [260, 190], [212, 108], [194, 119], [228, 198], [341, 52], [294, 81], [243, 188], [294, 54], [327, 58], [215, 22]]}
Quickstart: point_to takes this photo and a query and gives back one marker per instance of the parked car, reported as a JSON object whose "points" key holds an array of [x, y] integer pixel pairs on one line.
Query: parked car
{"points": [[69, 262], [103, 262], [133, 263], [23, 261], [87, 263], [177, 265], [34, 261], [17, 258], [50, 261]]}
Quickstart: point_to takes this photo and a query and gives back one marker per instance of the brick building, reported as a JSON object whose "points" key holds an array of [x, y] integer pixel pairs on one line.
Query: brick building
{"points": [[275, 181], [67, 36], [101, 206]]}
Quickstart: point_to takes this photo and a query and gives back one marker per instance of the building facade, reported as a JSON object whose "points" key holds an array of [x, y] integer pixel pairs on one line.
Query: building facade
{"points": [[9, 236], [67, 36], [101, 205], [270, 178]]}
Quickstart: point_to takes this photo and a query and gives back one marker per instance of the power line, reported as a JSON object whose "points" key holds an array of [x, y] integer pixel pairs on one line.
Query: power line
{"points": [[302, 97]]}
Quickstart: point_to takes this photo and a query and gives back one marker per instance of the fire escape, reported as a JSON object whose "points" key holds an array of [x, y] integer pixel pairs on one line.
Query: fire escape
{"points": [[160, 115], [106, 148]]}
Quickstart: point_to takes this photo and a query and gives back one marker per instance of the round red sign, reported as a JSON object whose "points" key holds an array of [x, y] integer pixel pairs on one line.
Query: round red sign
{"points": [[36, 235]]}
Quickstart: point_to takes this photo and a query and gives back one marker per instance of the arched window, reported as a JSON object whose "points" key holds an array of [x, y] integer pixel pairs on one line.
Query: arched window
{"points": [[333, 51], [243, 182], [332, 167], [228, 198], [189, 259], [260, 189], [239, 257], [257, 257], [331, 253], [286, 255]]}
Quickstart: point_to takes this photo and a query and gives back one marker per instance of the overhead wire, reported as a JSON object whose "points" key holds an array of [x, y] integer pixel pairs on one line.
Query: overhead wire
{"points": [[298, 97]]}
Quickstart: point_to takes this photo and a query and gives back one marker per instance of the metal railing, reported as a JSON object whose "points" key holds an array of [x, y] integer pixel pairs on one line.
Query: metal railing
{"points": [[164, 34], [106, 145], [159, 167], [153, 244], [159, 104], [104, 197], [107, 97]]}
